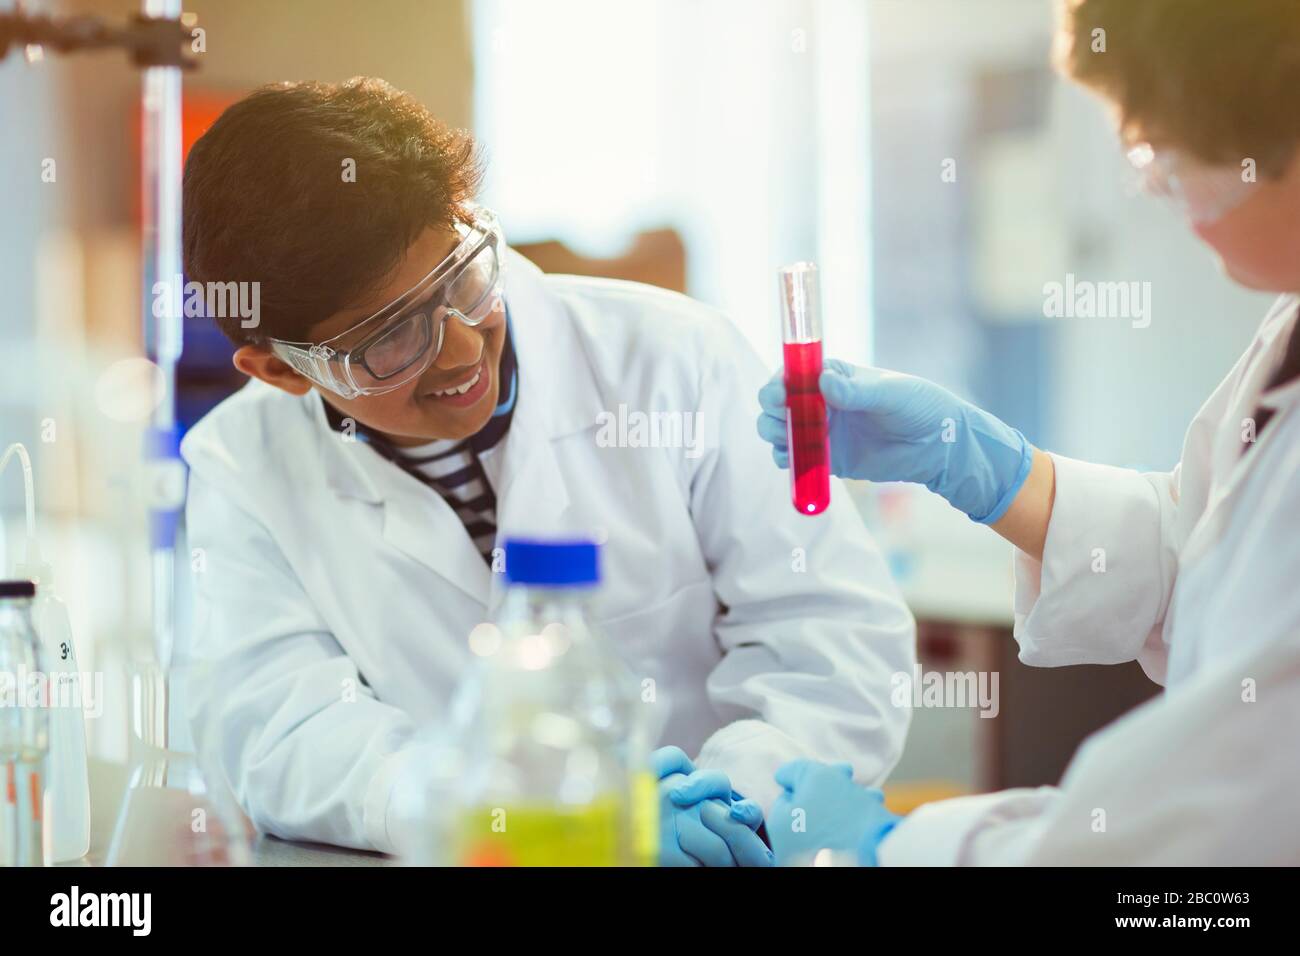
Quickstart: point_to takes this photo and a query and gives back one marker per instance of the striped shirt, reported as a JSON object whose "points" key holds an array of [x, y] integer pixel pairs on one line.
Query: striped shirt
{"points": [[451, 467]]}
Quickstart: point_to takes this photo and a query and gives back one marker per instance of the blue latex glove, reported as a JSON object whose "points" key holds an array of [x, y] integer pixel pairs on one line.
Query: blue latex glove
{"points": [[702, 822], [885, 426], [822, 808]]}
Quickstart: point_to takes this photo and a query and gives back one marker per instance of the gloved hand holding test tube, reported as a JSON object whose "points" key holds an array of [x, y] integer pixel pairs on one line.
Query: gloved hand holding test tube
{"points": [[801, 335]]}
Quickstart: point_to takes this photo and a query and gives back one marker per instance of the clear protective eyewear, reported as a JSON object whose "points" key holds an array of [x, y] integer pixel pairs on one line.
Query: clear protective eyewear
{"points": [[401, 340], [1205, 193]]}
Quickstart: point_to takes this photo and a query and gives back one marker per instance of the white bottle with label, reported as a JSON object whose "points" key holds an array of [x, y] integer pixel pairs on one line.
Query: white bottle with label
{"points": [[65, 805], [67, 789]]}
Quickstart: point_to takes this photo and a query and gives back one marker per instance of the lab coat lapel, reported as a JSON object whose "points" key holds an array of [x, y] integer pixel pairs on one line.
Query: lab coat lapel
{"points": [[419, 522], [558, 397], [533, 499], [416, 520]]}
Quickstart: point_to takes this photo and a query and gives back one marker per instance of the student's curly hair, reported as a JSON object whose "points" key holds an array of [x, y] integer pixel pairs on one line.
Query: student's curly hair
{"points": [[1219, 79], [269, 197]]}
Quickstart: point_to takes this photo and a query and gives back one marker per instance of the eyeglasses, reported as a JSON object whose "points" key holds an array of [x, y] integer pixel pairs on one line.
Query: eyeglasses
{"points": [[1204, 193], [402, 339]]}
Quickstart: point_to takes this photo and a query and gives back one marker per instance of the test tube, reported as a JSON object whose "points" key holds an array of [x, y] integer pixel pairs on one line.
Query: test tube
{"points": [[801, 337]]}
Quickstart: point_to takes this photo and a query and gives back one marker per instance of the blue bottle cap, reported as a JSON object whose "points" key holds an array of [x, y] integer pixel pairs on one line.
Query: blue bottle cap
{"points": [[566, 563]]}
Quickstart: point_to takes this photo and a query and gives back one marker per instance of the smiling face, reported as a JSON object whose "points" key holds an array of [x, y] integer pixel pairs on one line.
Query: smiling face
{"points": [[436, 404]]}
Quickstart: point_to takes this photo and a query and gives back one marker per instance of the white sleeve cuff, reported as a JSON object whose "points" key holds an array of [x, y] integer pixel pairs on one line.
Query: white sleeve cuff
{"points": [[943, 833], [1107, 569], [383, 828]]}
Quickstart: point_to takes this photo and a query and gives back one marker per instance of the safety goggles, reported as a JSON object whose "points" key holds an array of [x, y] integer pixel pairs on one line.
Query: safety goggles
{"points": [[388, 349], [1204, 193]]}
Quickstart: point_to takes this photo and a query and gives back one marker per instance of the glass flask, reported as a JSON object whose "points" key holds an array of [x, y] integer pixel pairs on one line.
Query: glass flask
{"points": [[177, 810]]}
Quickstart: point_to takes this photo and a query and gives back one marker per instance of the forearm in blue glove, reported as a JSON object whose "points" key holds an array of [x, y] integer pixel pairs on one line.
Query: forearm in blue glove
{"points": [[885, 426], [822, 808], [702, 822]]}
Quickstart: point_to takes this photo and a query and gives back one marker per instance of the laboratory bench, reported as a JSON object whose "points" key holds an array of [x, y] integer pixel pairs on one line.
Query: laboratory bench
{"points": [[957, 580], [108, 784]]}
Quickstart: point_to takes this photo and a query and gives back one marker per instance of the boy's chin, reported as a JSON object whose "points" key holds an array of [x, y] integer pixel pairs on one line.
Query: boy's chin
{"points": [[1249, 279], [440, 425]]}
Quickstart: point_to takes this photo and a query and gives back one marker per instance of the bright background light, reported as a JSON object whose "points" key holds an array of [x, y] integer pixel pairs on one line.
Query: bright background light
{"points": [[743, 125]]}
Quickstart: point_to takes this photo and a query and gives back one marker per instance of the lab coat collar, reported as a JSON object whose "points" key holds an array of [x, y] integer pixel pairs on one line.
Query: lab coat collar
{"points": [[556, 382], [1286, 395], [1274, 336], [557, 396], [1233, 466], [347, 461], [1283, 397]]}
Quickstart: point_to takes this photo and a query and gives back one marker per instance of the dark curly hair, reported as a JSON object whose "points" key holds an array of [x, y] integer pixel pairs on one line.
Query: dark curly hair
{"points": [[1217, 78], [267, 198]]}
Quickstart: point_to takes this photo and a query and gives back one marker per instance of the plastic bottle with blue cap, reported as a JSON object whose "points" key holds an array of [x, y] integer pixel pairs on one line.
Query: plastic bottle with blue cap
{"points": [[550, 728]]}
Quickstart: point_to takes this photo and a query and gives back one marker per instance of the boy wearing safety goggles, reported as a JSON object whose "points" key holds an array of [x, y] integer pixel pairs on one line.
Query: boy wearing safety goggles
{"points": [[420, 389]]}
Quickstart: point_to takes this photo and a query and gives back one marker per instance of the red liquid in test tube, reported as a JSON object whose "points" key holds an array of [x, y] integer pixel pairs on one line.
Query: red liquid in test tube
{"points": [[801, 332]]}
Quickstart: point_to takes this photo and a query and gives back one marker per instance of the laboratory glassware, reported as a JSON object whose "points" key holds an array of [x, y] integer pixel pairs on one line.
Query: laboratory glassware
{"points": [[66, 809], [67, 784], [24, 726], [551, 736], [806, 428], [178, 809], [160, 43]]}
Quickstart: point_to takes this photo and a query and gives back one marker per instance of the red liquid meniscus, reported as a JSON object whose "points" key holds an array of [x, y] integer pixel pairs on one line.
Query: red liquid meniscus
{"points": [[810, 456]]}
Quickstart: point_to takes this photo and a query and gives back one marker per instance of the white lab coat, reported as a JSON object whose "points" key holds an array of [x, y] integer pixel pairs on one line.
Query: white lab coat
{"points": [[325, 568], [1201, 585]]}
